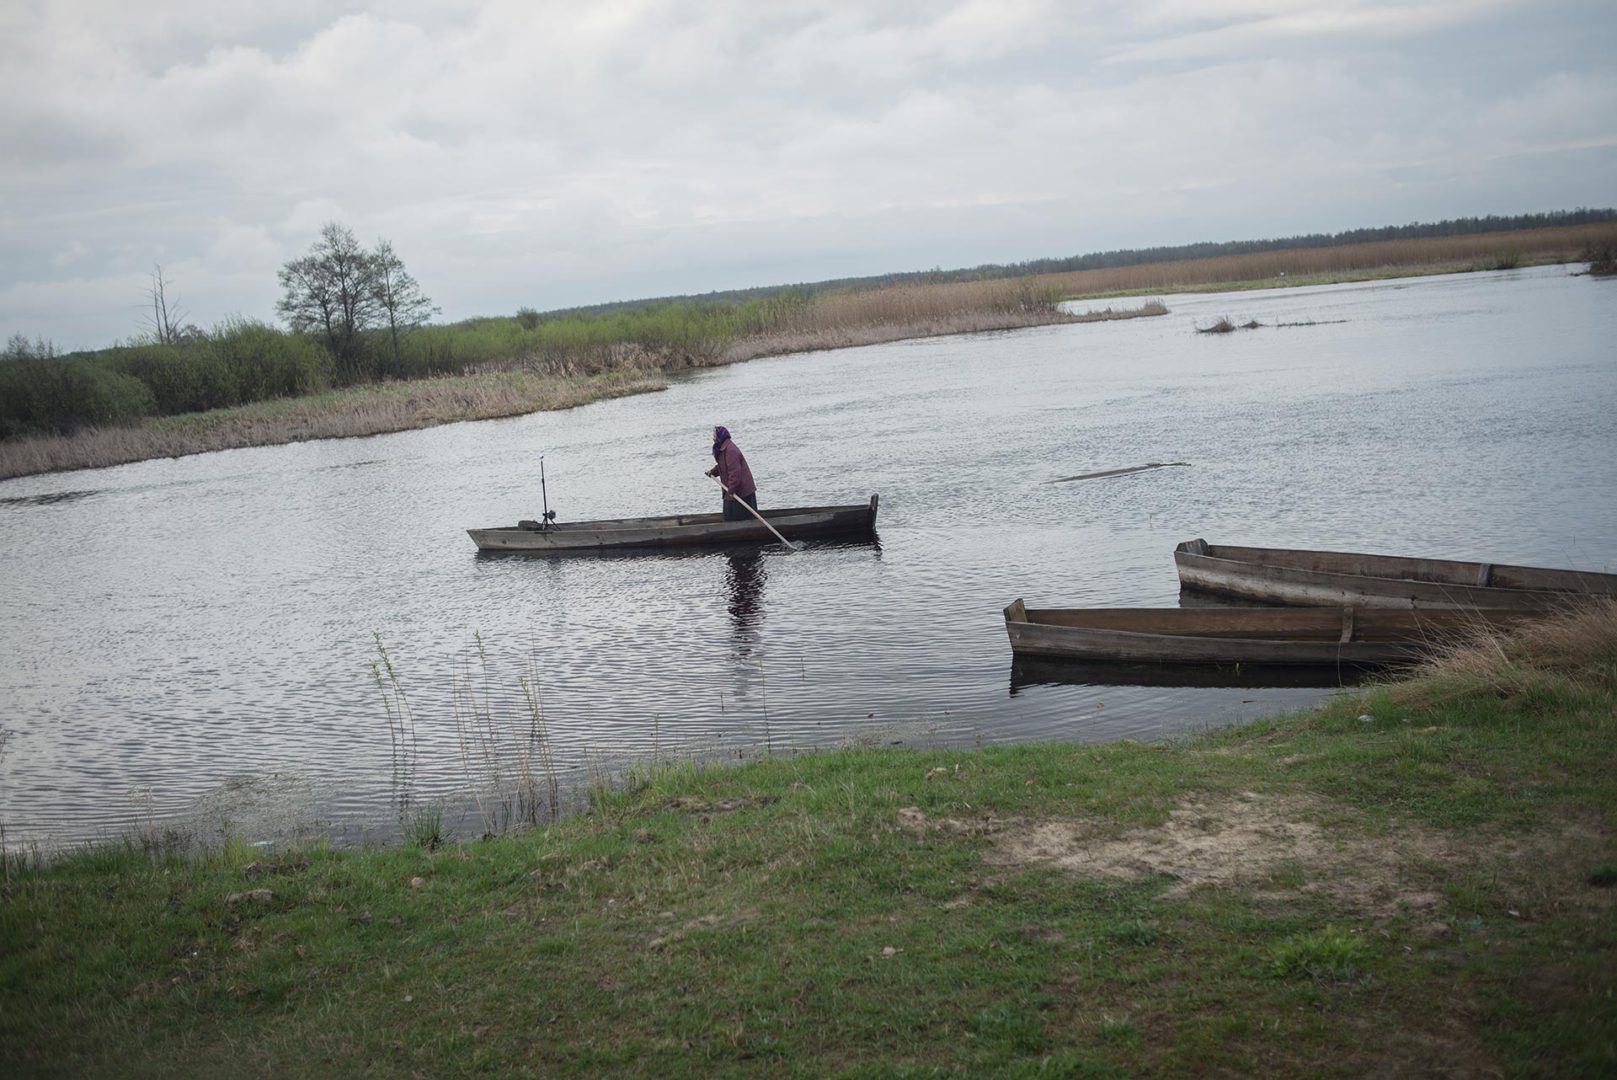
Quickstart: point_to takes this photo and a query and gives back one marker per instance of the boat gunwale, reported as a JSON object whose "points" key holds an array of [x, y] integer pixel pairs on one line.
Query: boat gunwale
{"points": [[1443, 582]]}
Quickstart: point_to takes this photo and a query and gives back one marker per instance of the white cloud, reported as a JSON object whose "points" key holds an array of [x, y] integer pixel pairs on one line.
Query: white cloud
{"points": [[552, 153]]}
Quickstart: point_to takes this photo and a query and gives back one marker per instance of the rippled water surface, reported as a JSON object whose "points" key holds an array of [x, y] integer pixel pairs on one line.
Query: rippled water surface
{"points": [[198, 635]]}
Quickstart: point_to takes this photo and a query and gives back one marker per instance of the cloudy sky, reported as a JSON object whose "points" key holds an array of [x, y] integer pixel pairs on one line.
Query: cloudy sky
{"points": [[525, 152]]}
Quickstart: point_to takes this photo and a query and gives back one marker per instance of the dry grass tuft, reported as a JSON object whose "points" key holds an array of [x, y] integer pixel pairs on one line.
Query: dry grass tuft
{"points": [[1582, 639], [1145, 310]]}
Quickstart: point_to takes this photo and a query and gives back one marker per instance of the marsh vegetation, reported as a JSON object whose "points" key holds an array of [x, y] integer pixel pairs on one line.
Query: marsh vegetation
{"points": [[108, 406]]}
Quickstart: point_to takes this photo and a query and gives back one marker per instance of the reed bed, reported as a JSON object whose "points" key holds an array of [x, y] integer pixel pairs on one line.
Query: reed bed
{"points": [[1481, 251], [778, 344], [853, 317], [341, 414]]}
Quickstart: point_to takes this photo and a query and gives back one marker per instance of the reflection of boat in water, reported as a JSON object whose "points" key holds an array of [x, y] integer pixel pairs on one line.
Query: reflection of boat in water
{"points": [[1317, 637], [1296, 576], [680, 530], [1029, 671]]}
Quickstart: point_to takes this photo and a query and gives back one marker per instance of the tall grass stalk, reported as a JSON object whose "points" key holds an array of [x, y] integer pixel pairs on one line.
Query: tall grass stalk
{"points": [[401, 728], [763, 697], [507, 755]]}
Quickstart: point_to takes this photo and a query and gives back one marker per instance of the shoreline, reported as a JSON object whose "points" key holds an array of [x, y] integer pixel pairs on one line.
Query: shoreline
{"points": [[383, 408], [514, 390], [1432, 860]]}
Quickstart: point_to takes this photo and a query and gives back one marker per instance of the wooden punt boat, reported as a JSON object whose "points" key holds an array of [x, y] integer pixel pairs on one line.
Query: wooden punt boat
{"points": [[856, 522], [1245, 635], [1288, 576]]}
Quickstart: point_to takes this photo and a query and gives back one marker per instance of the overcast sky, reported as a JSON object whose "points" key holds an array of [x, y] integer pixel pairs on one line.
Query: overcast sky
{"points": [[523, 152]]}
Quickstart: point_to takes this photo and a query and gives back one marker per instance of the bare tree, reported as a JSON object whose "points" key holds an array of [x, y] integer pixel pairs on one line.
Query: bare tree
{"points": [[164, 322], [403, 303], [343, 292], [332, 291]]}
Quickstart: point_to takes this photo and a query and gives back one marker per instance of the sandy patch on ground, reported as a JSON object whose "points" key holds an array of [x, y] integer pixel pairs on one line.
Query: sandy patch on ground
{"points": [[1247, 840]]}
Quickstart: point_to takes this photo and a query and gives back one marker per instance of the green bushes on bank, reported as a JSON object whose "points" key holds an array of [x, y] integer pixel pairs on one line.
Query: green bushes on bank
{"points": [[240, 361], [64, 394], [268, 363]]}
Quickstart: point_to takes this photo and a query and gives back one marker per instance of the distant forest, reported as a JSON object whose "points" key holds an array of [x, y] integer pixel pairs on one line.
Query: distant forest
{"points": [[1137, 256]]}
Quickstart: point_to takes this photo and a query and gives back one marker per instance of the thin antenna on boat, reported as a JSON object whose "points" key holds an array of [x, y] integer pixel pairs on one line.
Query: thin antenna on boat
{"points": [[549, 515]]}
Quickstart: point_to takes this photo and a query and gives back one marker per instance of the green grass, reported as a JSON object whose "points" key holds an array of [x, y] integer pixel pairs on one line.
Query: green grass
{"points": [[1331, 953], [841, 914]]}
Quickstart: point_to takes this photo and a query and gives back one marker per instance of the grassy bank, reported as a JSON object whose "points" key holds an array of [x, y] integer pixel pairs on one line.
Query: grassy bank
{"points": [[335, 414], [502, 367], [536, 382], [1416, 881]]}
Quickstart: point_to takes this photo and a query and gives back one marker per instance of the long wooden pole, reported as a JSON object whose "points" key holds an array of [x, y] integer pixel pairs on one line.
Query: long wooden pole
{"points": [[791, 546]]}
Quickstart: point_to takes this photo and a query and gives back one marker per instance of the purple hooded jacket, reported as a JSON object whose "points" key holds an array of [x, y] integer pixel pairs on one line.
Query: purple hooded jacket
{"points": [[732, 465]]}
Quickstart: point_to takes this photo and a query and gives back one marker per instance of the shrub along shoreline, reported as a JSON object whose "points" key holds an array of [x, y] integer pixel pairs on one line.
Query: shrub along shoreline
{"points": [[1417, 879]]}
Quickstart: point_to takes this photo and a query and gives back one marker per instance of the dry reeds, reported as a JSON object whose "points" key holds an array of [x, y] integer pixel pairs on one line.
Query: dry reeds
{"points": [[1425, 255], [1225, 326], [901, 312], [1582, 638], [1601, 255], [1145, 310], [365, 410]]}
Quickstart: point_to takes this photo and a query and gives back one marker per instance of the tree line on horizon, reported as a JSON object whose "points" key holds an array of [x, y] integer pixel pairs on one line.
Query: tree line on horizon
{"points": [[1101, 260], [355, 315]]}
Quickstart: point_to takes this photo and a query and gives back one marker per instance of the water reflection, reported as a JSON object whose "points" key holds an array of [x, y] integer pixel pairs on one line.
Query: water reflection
{"points": [[48, 499], [1029, 672], [744, 579]]}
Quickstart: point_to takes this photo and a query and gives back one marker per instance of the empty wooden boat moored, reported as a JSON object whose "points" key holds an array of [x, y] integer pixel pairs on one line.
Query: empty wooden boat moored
{"points": [[1245, 635], [855, 522], [1297, 576]]}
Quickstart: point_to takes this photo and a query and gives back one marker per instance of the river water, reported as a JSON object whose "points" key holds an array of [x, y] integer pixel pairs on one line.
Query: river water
{"points": [[197, 640]]}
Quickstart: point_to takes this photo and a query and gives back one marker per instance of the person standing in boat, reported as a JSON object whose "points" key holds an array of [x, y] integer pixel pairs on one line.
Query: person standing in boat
{"points": [[731, 469]]}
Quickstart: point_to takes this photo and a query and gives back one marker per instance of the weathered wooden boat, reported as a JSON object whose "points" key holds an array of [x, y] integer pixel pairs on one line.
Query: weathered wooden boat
{"points": [[1294, 576], [1318, 636], [856, 522]]}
